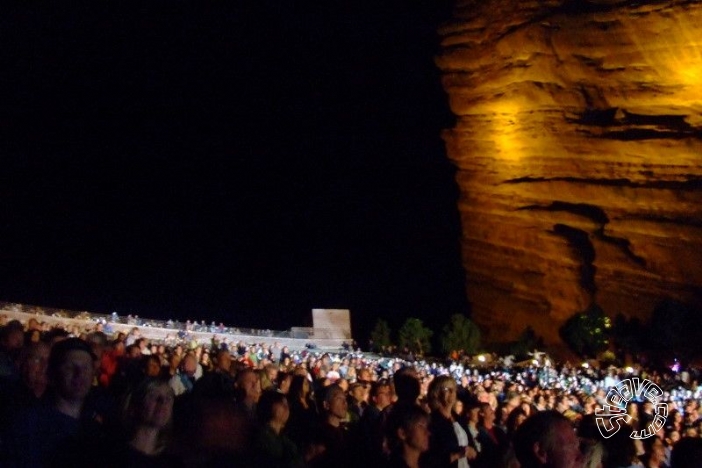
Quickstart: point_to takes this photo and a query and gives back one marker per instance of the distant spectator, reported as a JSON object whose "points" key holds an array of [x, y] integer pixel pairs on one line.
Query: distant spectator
{"points": [[110, 362], [283, 382], [133, 335], [150, 365], [205, 362], [218, 382], [184, 381], [98, 343], [269, 376]]}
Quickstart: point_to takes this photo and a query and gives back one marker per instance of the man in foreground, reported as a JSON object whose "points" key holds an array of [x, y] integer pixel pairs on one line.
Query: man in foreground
{"points": [[547, 439]]}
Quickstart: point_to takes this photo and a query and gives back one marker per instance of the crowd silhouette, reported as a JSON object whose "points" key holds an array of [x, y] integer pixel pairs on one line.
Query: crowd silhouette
{"points": [[83, 398]]}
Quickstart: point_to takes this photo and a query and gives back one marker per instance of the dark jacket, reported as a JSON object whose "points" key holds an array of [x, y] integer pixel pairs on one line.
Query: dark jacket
{"points": [[442, 442]]}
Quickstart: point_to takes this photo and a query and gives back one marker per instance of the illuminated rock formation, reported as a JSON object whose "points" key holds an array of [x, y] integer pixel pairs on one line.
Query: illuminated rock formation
{"points": [[578, 144]]}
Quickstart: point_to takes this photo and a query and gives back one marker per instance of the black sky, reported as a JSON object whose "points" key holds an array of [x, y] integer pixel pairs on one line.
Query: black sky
{"points": [[234, 161]]}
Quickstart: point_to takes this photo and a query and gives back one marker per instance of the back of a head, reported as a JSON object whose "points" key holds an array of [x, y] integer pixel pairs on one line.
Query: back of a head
{"points": [[620, 447], [587, 429], [687, 453], [224, 360], [297, 387], [97, 338], [541, 428], [407, 386]]}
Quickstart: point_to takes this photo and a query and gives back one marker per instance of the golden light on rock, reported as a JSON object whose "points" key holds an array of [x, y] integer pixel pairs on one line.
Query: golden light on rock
{"points": [[578, 147], [690, 75], [506, 129]]}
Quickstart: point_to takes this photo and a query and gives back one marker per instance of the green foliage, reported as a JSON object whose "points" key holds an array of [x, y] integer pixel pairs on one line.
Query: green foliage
{"points": [[587, 332], [414, 336], [380, 335], [460, 334]]}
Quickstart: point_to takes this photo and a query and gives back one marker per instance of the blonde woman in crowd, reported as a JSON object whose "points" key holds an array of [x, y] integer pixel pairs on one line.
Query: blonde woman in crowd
{"points": [[448, 443]]}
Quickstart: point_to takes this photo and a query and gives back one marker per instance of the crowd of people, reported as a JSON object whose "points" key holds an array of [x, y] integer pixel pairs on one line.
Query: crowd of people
{"points": [[72, 397]]}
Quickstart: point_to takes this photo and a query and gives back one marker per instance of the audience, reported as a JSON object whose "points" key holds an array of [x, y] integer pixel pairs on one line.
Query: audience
{"points": [[186, 404]]}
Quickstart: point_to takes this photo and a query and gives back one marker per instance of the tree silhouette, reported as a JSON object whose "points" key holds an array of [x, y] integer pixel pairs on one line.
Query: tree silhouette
{"points": [[587, 332], [414, 336], [460, 334], [380, 335]]}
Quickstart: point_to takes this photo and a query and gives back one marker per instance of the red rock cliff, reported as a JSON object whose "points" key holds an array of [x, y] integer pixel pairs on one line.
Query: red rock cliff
{"points": [[578, 146]]}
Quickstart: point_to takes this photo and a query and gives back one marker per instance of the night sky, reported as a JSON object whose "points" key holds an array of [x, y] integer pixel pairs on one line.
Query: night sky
{"points": [[233, 161]]}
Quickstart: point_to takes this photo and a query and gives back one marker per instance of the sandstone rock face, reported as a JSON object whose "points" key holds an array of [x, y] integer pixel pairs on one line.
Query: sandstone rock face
{"points": [[578, 146]]}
